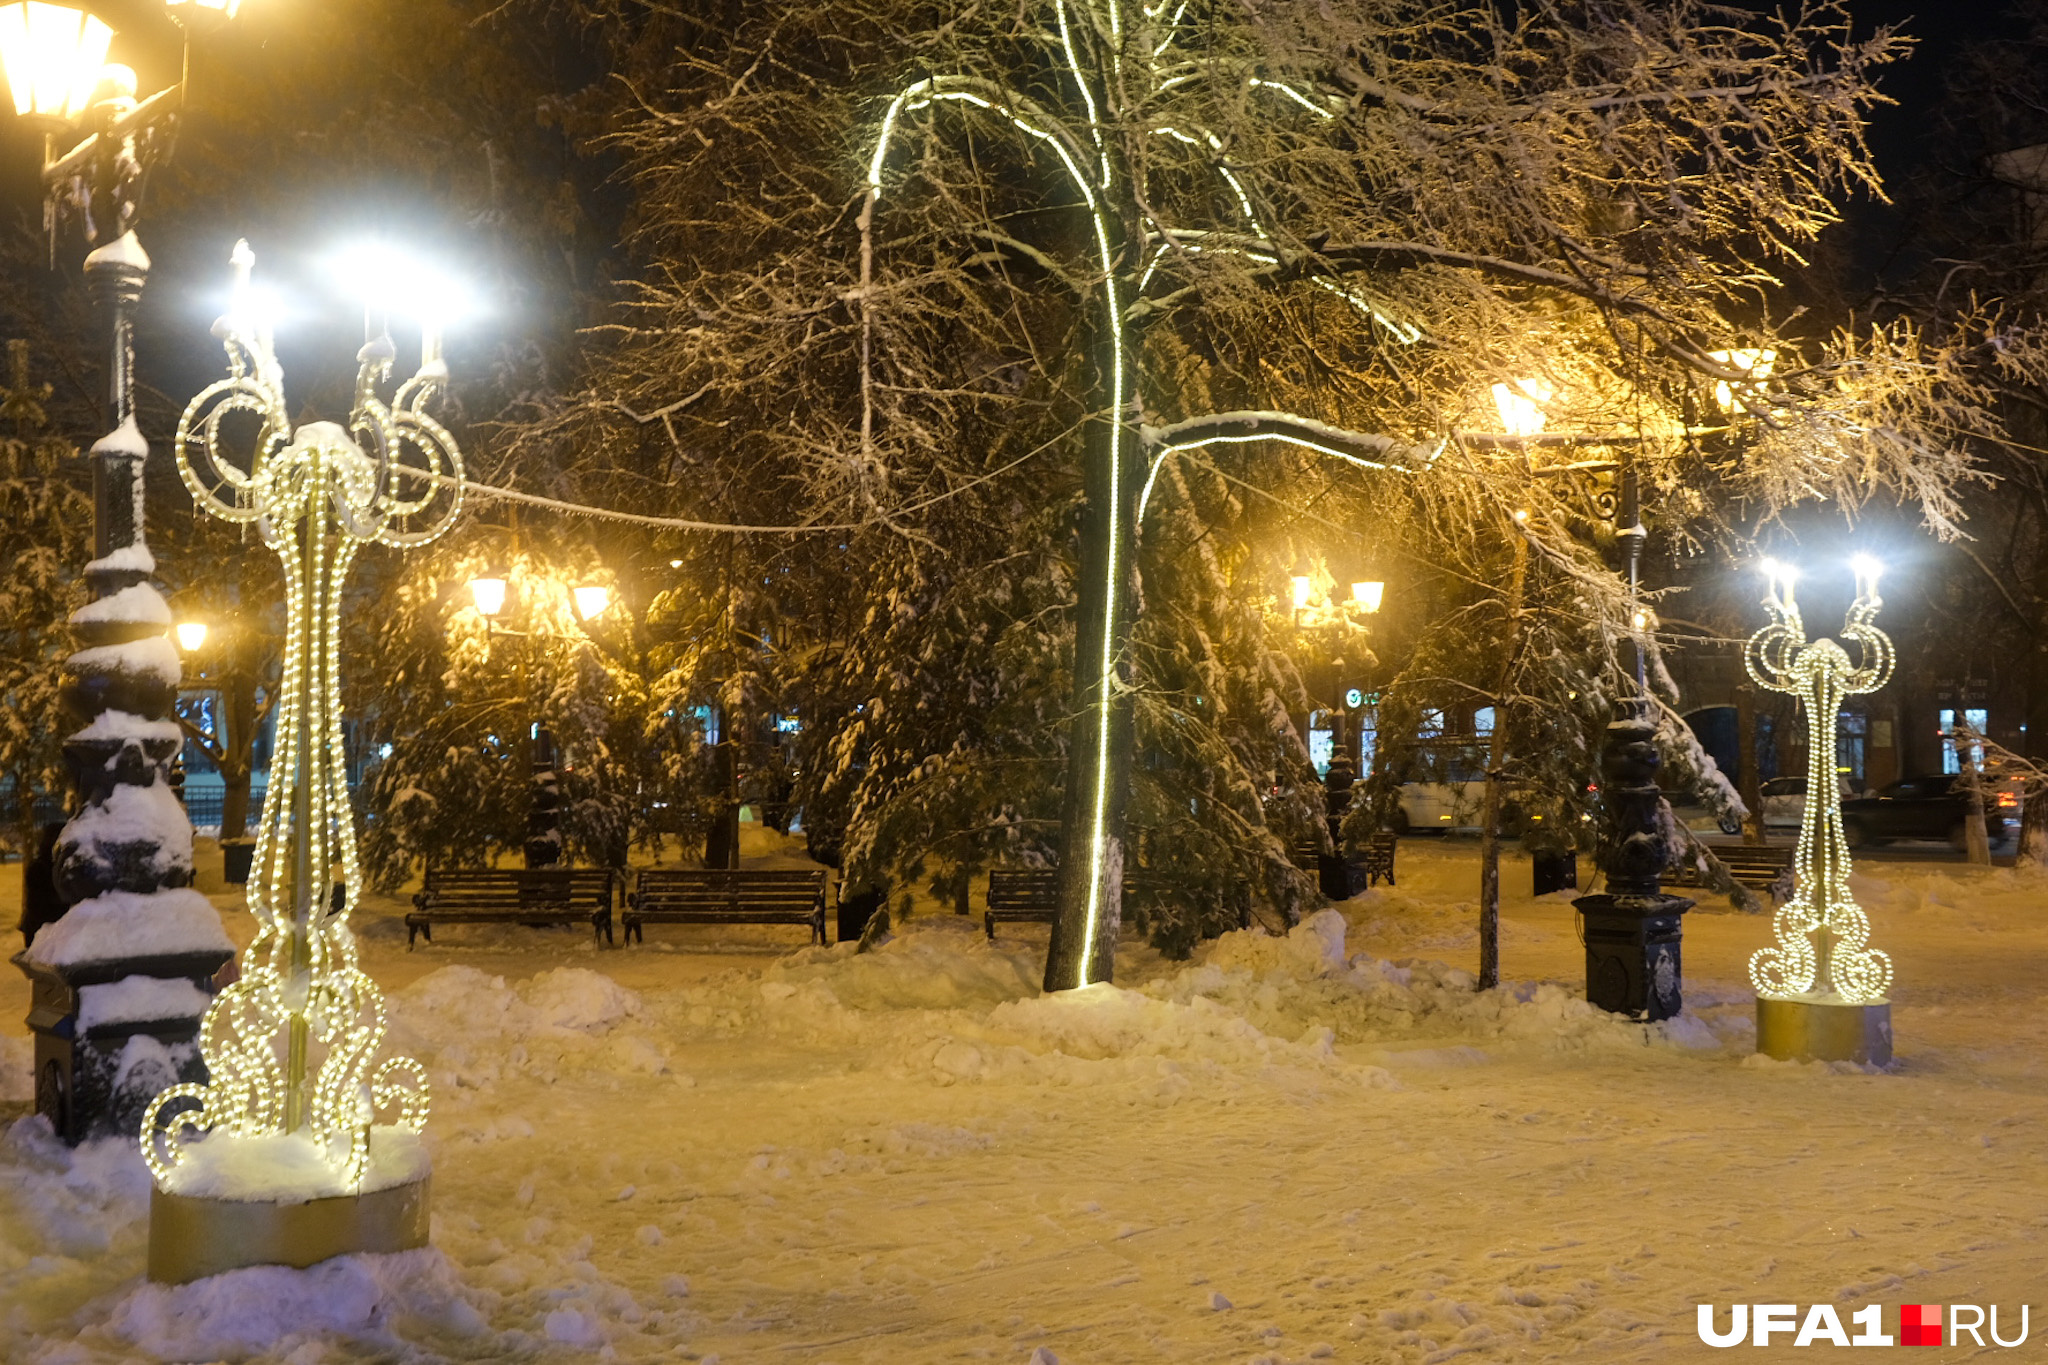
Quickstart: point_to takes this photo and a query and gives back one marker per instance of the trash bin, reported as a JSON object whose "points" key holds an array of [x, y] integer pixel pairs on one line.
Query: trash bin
{"points": [[1555, 871], [857, 906], [236, 855]]}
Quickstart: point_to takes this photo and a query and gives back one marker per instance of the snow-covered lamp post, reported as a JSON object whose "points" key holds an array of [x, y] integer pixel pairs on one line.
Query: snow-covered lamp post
{"points": [[281, 1158], [1820, 993], [544, 842], [1633, 928], [120, 978]]}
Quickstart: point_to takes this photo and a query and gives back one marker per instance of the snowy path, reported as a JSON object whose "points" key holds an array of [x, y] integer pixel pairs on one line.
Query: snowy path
{"points": [[910, 1157]]}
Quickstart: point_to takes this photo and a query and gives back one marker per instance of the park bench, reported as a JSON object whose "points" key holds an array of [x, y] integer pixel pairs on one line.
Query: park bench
{"points": [[1027, 895], [1761, 867], [1377, 861], [720, 896], [513, 895]]}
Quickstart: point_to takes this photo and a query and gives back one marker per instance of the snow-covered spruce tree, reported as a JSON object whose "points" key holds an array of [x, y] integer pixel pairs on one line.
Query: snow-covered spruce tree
{"points": [[1326, 225], [456, 705], [45, 538]]}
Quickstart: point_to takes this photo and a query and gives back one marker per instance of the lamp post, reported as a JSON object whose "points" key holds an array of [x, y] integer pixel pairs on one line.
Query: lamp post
{"points": [[292, 1045], [488, 593], [123, 863], [1820, 993], [1633, 929], [1319, 614]]}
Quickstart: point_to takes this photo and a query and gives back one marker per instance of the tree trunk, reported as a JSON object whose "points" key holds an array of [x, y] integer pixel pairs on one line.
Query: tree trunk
{"points": [[1090, 896], [1976, 839]]}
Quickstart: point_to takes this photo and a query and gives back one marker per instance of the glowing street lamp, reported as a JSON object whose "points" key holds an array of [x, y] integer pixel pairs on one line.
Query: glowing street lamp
{"points": [[488, 594], [1367, 596], [53, 55], [591, 601], [1756, 363], [1519, 403], [191, 636]]}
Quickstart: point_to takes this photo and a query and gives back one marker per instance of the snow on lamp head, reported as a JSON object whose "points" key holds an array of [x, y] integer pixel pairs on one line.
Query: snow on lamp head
{"points": [[290, 1047], [1821, 931]]}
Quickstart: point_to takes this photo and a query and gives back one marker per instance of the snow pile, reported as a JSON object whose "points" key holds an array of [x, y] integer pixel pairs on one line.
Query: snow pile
{"points": [[377, 1304], [290, 1168], [137, 603], [473, 1030], [139, 1000], [940, 963], [129, 924]]}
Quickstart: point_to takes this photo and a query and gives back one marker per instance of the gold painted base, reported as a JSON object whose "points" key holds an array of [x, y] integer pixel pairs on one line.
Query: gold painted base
{"points": [[1797, 1030], [191, 1238]]}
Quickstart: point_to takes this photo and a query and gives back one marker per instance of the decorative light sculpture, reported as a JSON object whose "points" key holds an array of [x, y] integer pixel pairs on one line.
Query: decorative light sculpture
{"points": [[1822, 932], [291, 1046]]}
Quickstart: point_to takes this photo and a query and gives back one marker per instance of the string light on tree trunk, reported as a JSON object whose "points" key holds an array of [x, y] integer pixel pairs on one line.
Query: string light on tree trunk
{"points": [[1822, 933], [291, 1047]]}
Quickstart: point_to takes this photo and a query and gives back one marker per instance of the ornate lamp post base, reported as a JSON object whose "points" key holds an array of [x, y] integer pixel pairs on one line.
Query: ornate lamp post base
{"points": [[191, 1237], [1824, 1029], [1632, 963]]}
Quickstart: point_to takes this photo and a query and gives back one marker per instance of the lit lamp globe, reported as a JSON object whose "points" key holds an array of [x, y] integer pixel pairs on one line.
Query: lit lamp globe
{"points": [[591, 601], [489, 596], [53, 55], [191, 636], [1519, 402], [1368, 596]]}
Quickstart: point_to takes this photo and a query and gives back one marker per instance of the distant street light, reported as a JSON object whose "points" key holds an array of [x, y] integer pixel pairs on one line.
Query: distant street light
{"points": [[489, 596], [191, 636]]}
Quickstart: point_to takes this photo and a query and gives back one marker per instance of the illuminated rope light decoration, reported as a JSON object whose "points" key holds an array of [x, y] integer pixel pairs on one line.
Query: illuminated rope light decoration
{"points": [[1093, 167], [317, 495], [1821, 931]]}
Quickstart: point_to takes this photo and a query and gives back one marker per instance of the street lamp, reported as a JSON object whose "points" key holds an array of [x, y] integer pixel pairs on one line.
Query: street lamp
{"points": [[122, 683], [53, 55], [489, 596], [1520, 404], [591, 601], [191, 636]]}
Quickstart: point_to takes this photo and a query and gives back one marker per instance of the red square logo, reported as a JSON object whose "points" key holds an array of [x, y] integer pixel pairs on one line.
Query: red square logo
{"points": [[1920, 1324]]}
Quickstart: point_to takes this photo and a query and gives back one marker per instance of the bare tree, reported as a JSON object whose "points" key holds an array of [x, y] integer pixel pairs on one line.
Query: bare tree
{"points": [[1294, 244]]}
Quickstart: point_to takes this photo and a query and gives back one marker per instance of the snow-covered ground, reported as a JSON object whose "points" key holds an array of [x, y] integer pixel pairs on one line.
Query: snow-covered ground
{"points": [[1322, 1147]]}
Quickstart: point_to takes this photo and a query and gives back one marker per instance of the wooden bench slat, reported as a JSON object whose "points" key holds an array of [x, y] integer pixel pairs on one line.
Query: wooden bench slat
{"points": [[726, 896], [513, 895]]}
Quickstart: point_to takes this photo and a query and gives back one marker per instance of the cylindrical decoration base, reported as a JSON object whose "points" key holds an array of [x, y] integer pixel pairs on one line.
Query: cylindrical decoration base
{"points": [[1810, 1030], [191, 1237]]}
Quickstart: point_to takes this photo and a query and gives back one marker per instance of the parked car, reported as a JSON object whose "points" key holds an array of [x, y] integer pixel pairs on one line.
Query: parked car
{"points": [[1784, 802], [1438, 805], [1932, 807]]}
